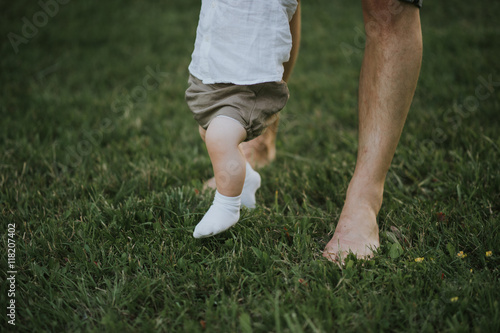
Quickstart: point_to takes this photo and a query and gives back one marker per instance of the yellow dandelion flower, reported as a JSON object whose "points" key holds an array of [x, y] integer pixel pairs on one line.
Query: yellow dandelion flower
{"points": [[454, 299], [489, 253], [419, 259], [461, 254], [471, 270]]}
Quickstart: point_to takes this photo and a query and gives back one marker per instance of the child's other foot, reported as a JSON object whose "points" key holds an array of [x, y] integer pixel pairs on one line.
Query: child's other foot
{"points": [[251, 185]]}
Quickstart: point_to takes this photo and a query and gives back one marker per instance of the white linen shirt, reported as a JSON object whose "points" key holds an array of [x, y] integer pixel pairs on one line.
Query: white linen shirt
{"points": [[242, 41]]}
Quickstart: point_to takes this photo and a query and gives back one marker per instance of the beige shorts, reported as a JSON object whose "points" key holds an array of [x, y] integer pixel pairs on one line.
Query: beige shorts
{"points": [[254, 106]]}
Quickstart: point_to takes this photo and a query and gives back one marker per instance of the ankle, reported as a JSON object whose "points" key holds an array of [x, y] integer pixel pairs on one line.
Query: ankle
{"points": [[227, 201], [366, 193]]}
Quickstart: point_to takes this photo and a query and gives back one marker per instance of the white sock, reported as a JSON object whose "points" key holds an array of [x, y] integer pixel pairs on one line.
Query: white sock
{"points": [[222, 215], [251, 185]]}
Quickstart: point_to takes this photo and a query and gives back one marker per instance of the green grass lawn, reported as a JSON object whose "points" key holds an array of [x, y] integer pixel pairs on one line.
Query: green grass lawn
{"points": [[101, 171]]}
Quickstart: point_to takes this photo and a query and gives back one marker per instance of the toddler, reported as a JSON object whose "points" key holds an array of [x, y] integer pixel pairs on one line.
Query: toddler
{"points": [[235, 91]]}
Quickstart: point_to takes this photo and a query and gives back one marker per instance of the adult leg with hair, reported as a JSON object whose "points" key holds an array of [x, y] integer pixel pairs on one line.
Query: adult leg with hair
{"points": [[389, 74]]}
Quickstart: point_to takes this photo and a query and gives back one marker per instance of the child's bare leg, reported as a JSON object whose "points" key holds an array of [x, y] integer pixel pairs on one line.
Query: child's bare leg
{"points": [[250, 185], [222, 139]]}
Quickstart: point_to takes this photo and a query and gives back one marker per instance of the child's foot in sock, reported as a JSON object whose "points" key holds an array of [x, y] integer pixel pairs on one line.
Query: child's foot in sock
{"points": [[222, 215], [251, 185]]}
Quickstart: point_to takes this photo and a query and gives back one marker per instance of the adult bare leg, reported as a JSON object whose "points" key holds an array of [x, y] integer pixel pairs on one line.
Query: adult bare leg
{"points": [[388, 79]]}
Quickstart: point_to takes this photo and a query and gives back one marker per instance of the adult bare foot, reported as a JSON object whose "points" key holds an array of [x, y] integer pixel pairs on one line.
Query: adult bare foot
{"points": [[357, 231]]}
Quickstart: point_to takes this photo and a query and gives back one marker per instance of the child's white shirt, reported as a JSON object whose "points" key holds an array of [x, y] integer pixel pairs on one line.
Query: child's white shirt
{"points": [[242, 41]]}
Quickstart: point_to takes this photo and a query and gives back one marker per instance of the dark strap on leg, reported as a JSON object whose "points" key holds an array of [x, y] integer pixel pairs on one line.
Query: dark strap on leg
{"points": [[417, 3]]}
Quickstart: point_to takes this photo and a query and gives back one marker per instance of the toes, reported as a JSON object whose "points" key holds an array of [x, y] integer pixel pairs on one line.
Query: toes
{"points": [[333, 256]]}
